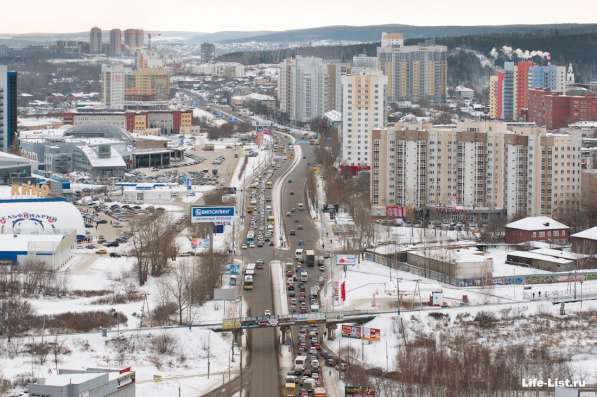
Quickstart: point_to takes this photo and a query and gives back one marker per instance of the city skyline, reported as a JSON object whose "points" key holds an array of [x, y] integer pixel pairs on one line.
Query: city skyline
{"points": [[235, 15]]}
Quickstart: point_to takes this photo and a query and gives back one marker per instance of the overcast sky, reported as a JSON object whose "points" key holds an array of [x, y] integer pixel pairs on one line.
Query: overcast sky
{"points": [[27, 16]]}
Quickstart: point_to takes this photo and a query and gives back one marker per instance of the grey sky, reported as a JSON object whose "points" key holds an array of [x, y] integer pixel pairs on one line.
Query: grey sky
{"points": [[28, 16]]}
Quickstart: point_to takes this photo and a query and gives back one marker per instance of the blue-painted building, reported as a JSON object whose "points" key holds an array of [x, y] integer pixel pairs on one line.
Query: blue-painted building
{"points": [[8, 107]]}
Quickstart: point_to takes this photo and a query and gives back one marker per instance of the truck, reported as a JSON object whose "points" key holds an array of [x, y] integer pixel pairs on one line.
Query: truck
{"points": [[310, 258]]}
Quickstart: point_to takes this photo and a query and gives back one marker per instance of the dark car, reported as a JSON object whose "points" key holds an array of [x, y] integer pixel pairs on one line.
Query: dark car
{"points": [[114, 255], [290, 181], [114, 243]]}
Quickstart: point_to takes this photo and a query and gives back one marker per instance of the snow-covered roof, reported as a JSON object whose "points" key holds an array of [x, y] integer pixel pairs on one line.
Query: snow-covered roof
{"points": [[115, 159], [20, 242], [37, 215], [66, 379], [589, 234], [333, 115], [536, 223], [533, 255], [558, 253], [260, 97]]}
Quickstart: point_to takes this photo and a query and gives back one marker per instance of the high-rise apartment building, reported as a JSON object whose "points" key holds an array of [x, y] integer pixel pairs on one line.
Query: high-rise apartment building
{"points": [[8, 108], [147, 84], [509, 97], [522, 87], [335, 71], [554, 174], [95, 41], [302, 88], [496, 88], [548, 77], [416, 72], [208, 52], [113, 85], [134, 38], [362, 112], [362, 61], [476, 166], [115, 48]]}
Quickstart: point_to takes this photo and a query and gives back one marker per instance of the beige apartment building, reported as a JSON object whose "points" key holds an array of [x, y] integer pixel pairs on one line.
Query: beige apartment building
{"points": [[415, 72], [478, 167], [362, 112]]}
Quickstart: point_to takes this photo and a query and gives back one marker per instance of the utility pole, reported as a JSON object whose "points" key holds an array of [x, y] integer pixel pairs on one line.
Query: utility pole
{"points": [[208, 354]]}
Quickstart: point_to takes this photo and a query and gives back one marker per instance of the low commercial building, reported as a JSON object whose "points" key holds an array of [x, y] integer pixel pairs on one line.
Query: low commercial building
{"points": [[13, 167], [585, 242], [536, 228], [90, 384], [54, 250], [453, 265], [167, 122], [540, 261]]}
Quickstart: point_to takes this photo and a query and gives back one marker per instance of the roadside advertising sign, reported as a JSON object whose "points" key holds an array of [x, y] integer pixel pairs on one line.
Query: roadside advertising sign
{"points": [[346, 260], [212, 214]]}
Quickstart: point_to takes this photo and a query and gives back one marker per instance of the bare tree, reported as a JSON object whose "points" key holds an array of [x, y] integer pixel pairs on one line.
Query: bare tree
{"points": [[178, 285]]}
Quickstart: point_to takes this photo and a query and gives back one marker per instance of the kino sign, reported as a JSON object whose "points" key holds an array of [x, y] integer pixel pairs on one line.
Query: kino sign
{"points": [[219, 214]]}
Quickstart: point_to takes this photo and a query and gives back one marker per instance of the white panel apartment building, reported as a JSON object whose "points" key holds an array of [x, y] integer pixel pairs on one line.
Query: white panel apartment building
{"points": [[302, 88], [113, 85], [362, 112], [476, 166]]}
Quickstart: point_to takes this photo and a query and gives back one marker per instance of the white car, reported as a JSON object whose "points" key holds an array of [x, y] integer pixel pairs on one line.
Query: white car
{"points": [[244, 246], [267, 313]]}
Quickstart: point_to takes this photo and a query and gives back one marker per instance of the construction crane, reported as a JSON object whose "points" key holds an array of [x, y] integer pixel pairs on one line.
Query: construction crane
{"points": [[149, 35]]}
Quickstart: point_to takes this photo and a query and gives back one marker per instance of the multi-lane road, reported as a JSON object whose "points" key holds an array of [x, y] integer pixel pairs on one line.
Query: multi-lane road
{"points": [[261, 377]]}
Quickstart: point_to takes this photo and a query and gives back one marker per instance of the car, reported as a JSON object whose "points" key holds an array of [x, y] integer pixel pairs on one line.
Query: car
{"points": [[260, 244], [321, 268], [287, 213], [267, 313], [330, 362], [244, 246], [271, 243], [313, 351], [292, 232], [290, 181], [292, 193], [101, 251], [259, 263], [113, 244], [114, 255], [90, 246], [300, 227], [291, 293]]}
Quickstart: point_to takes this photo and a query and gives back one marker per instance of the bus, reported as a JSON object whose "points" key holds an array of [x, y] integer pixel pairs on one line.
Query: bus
{"points": [[250, 270], [248, 282], [250, 237]]}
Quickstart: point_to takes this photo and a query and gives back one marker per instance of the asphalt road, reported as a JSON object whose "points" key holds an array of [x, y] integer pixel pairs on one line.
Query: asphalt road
{"points": [[261, 377]]}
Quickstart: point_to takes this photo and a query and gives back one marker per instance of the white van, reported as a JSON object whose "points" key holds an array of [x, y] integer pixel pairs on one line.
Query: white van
{"points": [[299, 363], [304, 276], [298, 254]]}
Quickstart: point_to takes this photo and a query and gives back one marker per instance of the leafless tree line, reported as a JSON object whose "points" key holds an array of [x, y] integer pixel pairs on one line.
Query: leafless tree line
{"points": [[190, 282], [32, 278], [153, 244]]}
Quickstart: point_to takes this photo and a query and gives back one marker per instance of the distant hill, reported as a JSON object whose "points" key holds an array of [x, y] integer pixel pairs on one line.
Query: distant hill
{"points": [[373, 32], [226, 36], [464, 67]]}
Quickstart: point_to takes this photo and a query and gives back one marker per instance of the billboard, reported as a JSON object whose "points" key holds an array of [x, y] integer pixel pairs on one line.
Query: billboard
{"points": [[359, 332], [346, 260], [212, 214]]}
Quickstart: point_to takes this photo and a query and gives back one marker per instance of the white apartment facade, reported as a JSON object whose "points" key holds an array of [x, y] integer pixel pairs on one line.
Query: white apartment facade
{"points": [[362, 112], [303, 88], [113, 86], [476, 166]]}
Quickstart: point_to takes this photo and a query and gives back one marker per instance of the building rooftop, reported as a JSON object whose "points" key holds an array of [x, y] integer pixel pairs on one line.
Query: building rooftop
{"points": [[115, 159], [533, 255], [536, 223], [20, 242], [590, 234]]}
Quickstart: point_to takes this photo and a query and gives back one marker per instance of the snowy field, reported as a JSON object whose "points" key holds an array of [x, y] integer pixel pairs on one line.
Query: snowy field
{"points": [[184, 363], [520, 317]]}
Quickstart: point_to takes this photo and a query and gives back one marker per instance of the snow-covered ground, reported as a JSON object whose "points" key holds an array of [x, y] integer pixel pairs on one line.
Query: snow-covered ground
{"points": [[185, 365], [369, 287]]}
